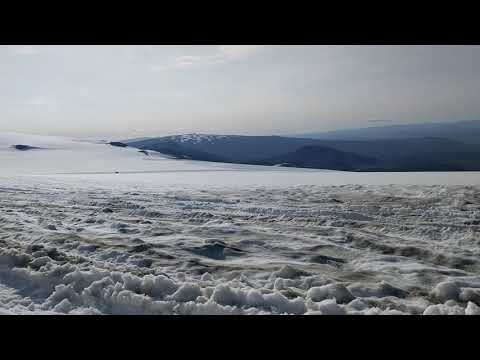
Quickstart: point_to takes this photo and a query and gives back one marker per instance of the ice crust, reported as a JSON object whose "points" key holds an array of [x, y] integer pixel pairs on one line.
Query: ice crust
{"points": [[193, 253]]}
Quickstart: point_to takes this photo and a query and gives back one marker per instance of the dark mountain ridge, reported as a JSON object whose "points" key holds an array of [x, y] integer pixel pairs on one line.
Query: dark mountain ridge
{"points": [[464, 131], [415, 154]]}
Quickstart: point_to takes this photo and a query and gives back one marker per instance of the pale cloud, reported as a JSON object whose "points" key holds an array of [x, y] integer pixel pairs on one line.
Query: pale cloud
{"points": [[223, 54], [164, 94], [24, 50], [238, 51], [91, 90], [37, 101]]}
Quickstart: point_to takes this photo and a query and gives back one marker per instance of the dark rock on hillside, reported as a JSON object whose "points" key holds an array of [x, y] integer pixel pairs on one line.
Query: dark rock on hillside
{"points": [[118, 144], [179, 151]]}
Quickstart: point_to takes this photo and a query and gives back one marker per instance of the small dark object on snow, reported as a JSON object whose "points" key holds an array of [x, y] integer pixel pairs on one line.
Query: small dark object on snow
{"points": [[118, 144], [24, 147]]}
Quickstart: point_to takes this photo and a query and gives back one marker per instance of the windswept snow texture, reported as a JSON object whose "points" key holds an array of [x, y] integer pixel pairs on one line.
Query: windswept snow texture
{"points": [[184, 237]]}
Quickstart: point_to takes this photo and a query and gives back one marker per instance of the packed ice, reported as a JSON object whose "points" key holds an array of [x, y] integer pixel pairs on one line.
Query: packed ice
{"points": [[192, 238]]}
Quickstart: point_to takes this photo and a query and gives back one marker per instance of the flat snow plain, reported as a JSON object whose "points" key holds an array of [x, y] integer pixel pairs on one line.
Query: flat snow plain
{"points": [[165, 236]]}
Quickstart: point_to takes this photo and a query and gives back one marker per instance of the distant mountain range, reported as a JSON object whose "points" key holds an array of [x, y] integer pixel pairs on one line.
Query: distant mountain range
{"points": [[371, 149], [463, 131]]}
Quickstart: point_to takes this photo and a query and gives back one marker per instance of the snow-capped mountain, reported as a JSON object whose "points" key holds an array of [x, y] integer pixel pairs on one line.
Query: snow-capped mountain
{"points": [[415, 154], [197, 138]]}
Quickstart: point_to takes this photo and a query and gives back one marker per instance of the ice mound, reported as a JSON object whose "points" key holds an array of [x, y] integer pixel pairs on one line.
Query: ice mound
{"points": [[472, 309], [68, 289], [448, 290], [442, 309], [289, 272], [331, 291], [453, 290], [330, 307], [381, 289]]}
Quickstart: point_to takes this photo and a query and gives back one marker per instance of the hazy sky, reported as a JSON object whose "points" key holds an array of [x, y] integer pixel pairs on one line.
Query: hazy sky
{"points": [[154, 90]]}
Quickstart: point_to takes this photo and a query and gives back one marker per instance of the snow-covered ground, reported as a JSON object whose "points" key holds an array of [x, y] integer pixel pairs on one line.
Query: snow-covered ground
{"points": [[165, 236]]}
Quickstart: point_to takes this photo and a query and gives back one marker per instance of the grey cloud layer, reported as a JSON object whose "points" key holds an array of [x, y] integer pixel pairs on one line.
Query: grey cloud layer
{"points": [[96, 90]]}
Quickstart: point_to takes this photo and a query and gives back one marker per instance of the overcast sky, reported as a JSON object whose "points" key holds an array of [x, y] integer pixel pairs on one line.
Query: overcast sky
{"points": [[133, 91]]}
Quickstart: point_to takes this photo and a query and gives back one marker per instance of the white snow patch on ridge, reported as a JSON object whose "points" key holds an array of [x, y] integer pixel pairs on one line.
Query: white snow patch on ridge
{"points": [[197, 138]]}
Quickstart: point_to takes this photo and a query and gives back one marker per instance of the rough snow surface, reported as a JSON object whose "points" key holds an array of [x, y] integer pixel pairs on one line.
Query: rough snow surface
{"points": [[200, 238], [292, 250]]}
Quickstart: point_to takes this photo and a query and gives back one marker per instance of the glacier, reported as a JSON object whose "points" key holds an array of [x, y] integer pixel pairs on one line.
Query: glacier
{"points": [[87, 228]]}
